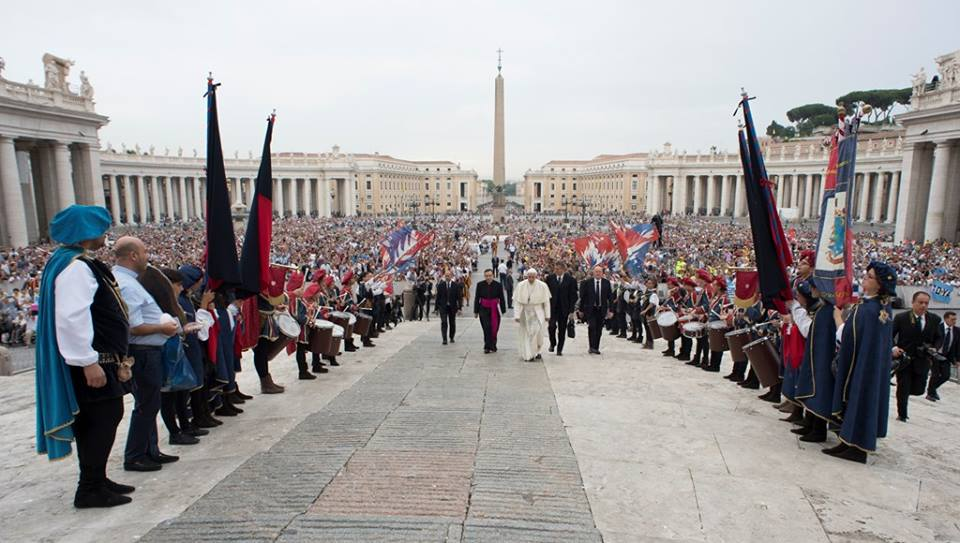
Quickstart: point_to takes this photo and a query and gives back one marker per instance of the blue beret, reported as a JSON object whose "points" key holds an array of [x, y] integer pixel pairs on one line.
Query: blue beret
{"points": [[806, 288], [79, 223], [191, 274], [886, 276]]}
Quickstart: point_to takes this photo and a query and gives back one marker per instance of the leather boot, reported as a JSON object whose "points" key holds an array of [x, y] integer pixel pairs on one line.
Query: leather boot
{"points": [[773, 395], [817, 433], [349, 346], [304, 374], [267, 386], [235, 398], [226, 408], [796, 415], [365, 341], [751, 382], [804, 426], [242, 395]]}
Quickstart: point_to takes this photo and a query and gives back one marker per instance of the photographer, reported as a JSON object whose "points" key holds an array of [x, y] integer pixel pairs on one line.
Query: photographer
{"points": [[913, 332], [950, 351]]}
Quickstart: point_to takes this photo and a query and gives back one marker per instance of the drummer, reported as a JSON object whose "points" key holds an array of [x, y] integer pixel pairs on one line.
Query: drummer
{"points": [[738, 373], [675, 295], [271, 303], [649, 305], [326, 302], [700, 305], [353, 300], [302, 311], [686, 306], [717, 313], [754, 315]]}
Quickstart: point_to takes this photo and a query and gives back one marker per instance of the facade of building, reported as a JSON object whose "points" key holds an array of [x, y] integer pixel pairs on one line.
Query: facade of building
{"points": [[50, 157], [607, 183]]}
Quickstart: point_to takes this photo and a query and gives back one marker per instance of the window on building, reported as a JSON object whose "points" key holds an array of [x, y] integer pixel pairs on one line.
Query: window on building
{"points": [[369, 184], [574, 188]]}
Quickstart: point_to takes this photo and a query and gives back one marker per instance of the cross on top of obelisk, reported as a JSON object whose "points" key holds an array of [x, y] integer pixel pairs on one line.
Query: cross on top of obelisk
{"points": [[499, 59]]}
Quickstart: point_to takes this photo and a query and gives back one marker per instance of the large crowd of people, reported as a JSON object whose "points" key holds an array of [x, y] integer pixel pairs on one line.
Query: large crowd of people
{"points": [[135, 311]]}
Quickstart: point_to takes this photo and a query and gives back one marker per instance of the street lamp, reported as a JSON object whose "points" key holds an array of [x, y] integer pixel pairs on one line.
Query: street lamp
{"points": [[433, 208], [583, 205], [566, 204]]}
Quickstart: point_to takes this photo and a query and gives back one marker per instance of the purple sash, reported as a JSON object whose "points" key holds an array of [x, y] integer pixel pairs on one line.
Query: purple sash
{"points": [[493, 304]]}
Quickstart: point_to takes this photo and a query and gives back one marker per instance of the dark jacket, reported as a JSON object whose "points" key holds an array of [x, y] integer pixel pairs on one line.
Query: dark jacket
{"points": [[452, 297], [493, 290], [908, 337], [563, 292], [588, 296], [952, 351]]}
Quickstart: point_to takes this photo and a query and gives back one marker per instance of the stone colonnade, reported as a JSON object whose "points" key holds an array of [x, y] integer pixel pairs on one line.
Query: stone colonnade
{"points": [[724, 195]]}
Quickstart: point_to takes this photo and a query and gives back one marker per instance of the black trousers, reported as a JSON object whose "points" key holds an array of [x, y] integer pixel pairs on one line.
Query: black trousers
{"points": [[302, 350], [703, 349], [686, 345], [939, 374], [95, 429], [646, 330], [147, 379], [595, 328], [557, 328], [260, 361], [908, 383], [489, 343], [448, 321], [173, 406]]}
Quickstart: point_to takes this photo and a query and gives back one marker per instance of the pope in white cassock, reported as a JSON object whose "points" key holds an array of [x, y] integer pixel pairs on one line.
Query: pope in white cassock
{"points": [[531, 303]]}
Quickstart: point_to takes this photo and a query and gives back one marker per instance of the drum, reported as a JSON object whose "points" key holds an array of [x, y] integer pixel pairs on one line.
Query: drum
{"points": [[319, 335], [667, 322], [335, 338], [345, 320], [694, 329], [655, 332], [717, 332], [764, 360], [289, 331], [736, 340], [363, 324]]}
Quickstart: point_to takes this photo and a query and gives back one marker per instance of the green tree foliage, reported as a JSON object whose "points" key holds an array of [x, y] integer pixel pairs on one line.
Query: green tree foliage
{"points": [[883, 102], [808, 117], [779, 131]]}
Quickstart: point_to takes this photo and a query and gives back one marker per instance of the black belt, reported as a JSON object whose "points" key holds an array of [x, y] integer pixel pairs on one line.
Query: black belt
{"points": [[132, 348]]}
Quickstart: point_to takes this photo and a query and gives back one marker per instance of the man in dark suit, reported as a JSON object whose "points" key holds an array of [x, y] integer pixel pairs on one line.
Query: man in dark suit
{"points": [[950, 349], [449, 302], [489, 306], [563, 292], [595, 295], [911, 331]]}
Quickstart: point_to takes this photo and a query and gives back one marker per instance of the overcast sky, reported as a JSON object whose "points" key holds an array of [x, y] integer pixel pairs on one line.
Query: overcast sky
{"points": [[416, 79]]}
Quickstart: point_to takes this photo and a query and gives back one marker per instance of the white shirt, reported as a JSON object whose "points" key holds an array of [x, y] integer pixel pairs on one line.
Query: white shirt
{"points": [[73, 294], [654, 300], [141, 307], [800, 317], [502, 268]]}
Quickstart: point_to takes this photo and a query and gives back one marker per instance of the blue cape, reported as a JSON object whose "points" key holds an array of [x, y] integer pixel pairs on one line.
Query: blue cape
{"points": [[56, 401]]}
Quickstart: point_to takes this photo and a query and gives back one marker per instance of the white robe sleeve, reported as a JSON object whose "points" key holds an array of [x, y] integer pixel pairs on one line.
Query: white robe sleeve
{"points": [[73, 294], [800, 317]]}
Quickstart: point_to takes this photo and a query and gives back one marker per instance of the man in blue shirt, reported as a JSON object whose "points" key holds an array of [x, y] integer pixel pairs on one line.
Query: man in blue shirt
{"points": [[148, 333]]}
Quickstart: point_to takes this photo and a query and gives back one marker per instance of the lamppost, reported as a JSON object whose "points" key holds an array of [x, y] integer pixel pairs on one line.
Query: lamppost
{"points": [[433, 208], [414, 204], [566, 204], [583, 205]]}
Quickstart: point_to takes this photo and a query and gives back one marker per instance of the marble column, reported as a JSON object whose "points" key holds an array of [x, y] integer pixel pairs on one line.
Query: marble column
{"points": [[679, 195], [28, 190], [168, 193], [794, 191], [933, 229], [65, 193], [182, 185], [198, 204], [48, 180], [739, 197], [807, 195], [129, 210], [278, 204], [323, 199], [697, 194], [725, 188], [294, 197], [351, 206], [711, 195], [16, 219], [892, 198], [862, 181], [141, 200], [155, 199], [92, 155], [115, 199], [307, 197], [875, 212]]}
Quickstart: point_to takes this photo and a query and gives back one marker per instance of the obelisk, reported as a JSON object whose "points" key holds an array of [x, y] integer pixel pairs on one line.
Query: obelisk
{"points": [[499, 170]]}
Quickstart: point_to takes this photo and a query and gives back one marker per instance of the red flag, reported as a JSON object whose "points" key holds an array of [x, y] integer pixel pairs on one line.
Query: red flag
{"points": [[255, 256], [746, 289], [223, 270]]}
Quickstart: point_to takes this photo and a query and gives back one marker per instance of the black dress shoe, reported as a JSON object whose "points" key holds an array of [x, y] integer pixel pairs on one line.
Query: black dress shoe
{"points": [[494, 349], [693, 362], [236, 398], [183, 439], [444, 342], [306, 376], [452, 340], [814, 436], [227, 410], [539, 357], [486, 351], [142, 464], [161, 458], [242, 395], [559, 353], [102, 497], [196, 431], [850, 453], [902, 419], [802, 430], [832, 451], [551, 348], [118, 488]]}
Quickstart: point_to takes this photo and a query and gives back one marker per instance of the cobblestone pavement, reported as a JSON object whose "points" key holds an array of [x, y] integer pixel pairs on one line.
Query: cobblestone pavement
{"points": [[441, 443]]}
